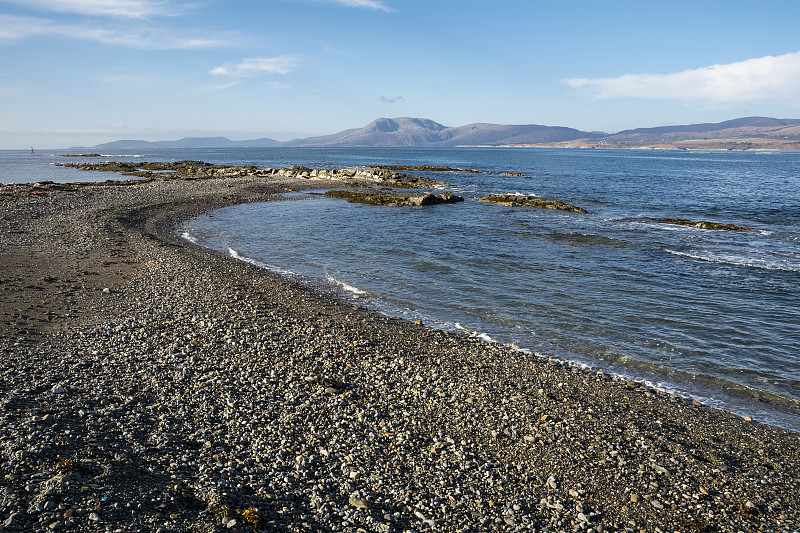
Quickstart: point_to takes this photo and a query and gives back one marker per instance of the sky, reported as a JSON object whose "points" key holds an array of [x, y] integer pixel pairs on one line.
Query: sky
{"points": [[84, 72]]}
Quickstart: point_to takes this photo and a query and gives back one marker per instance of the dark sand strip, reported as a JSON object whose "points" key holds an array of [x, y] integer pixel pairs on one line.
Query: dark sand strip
{"points": [[200, 393]]}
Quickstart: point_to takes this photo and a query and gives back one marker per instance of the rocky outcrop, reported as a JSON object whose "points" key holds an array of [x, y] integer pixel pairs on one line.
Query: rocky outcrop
{"points": [[394, 198], [515, 200], [202, 170], [376, 175], [702, 224]]}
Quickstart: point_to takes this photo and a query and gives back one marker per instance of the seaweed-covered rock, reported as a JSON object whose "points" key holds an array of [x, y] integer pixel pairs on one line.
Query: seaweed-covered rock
{"points": [[201, 170], [515, 200], [702, 224], [394, 198]]}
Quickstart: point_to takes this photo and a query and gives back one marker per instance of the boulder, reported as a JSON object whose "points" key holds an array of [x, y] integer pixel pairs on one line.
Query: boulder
{"points": [[516, 200]]}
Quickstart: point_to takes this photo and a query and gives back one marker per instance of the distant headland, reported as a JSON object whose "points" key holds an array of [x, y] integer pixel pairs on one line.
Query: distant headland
{"points": [[748, 133]]}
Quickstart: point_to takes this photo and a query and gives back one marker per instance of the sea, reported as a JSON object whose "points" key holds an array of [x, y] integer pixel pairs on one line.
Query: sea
{"points": [[712, 316]]}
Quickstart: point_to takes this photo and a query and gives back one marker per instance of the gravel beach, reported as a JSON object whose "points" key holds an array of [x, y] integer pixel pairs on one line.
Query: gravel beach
{"points": [[149, 384]]}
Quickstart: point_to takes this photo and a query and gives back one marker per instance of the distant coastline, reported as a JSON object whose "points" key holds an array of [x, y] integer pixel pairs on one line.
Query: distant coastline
{"points": [[747, 133]]}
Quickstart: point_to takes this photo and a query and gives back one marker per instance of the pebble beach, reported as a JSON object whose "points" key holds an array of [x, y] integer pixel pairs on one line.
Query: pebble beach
{"points": [[149, 384]]}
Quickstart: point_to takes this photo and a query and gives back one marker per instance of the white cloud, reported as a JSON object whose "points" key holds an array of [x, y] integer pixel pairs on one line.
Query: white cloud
{"points": [[372, 4], [763, 78], [16, 28], [369, 4], [113, 8], [256, 65]]}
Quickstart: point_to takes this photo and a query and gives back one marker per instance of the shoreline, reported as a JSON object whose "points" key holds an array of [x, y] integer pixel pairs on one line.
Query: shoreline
{"points": [[198, 387]]}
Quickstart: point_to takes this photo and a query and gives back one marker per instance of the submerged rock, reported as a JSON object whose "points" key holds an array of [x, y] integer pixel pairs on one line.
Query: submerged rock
{"points": [[702, 224], [394, 198], [515, 200]]}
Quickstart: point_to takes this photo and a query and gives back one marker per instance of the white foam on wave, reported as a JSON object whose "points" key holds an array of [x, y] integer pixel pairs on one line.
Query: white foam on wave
{"points": [[477, 334], [738, 261], [186, 235], [272, 268], [345, 287]]}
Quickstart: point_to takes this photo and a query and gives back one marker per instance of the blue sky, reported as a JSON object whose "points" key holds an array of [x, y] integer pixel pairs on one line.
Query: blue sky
{"points": [[82, 72]]}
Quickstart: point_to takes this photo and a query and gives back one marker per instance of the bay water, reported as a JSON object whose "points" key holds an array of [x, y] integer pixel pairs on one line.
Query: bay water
{"points": [[710, 315]]}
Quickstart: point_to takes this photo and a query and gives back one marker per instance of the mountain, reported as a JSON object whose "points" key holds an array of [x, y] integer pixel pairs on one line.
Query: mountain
{"points": [[187, 142], [737, 134], [405, 131], [735, 124], [746, 133]]}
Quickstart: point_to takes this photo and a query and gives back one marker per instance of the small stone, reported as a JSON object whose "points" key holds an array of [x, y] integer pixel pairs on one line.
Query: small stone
{"points": [[56, 525], [12, 520], [58, 388], [359, 503], [94, 517], [582, 517], [657, 504], [106, 290], [573, 493], [552, 483], [635, 498], [49, 506]]}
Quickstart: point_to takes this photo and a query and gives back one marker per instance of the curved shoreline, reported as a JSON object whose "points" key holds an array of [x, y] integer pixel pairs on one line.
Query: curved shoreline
{"points": [[198, 387]]}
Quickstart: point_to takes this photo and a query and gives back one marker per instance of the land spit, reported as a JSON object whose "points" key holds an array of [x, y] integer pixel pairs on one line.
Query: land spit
{"points": [[149, 384]]}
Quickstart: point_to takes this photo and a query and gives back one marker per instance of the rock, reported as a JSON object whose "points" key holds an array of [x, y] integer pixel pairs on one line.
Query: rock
{"points": [[359, 503], [657, 504], [515, 200], [394, 198], [58, 388], [702, 224], [552, 483], [94, 517], [12, 520]]}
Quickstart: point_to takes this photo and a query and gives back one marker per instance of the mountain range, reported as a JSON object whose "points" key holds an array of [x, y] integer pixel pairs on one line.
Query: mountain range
{"points": [[740, 133]]}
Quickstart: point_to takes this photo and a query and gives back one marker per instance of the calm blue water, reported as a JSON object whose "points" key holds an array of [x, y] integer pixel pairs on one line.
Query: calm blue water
{"points": [[711, 315]]}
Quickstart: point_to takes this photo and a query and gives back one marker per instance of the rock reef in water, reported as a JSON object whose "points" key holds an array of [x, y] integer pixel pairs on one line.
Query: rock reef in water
{"points": [[515, 200], [702, 224], [394, 198], [188, 170]]}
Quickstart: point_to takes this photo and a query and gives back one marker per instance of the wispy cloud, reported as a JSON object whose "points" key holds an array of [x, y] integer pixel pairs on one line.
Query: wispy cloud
{"points": [[15, 28], [369, 4], [257, 65], [113, 8], [372, 4], [763, 78], [391, 99]]}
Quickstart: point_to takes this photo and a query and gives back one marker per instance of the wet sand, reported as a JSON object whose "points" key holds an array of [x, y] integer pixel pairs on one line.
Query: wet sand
{"points": [[150, 384]]}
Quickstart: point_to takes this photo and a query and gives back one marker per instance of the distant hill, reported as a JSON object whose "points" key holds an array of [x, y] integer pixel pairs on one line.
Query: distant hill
{"points": [[737, 134], [747, 133], [187, 142], [405, 131]]}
